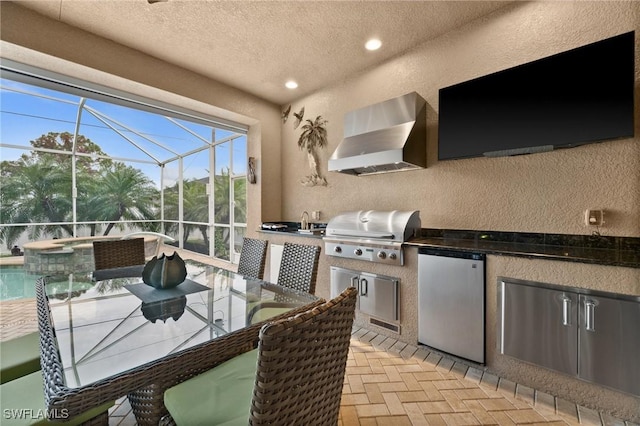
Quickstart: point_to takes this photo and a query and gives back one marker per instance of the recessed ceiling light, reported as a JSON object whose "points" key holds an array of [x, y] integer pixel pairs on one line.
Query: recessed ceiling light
{"points": [[373, 44], [291, 84]]}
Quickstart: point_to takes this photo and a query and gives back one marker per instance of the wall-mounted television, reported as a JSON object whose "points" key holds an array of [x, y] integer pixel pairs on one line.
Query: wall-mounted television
{"points": [[576, 97]]}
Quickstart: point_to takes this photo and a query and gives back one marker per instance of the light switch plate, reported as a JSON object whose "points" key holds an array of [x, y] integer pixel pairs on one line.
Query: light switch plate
{"points": [[593, 217]]}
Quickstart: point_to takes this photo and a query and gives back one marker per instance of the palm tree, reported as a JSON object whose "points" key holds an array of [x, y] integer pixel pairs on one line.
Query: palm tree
{"points": [[196, 208], [222, 203], [222, 195], [314, 136], [123, 193], [37, 186], [171, 200], [35, 190], [240, 200]]}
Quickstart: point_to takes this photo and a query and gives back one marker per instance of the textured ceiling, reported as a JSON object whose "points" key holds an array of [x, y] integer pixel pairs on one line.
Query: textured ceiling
{"points": [[257, 45]]}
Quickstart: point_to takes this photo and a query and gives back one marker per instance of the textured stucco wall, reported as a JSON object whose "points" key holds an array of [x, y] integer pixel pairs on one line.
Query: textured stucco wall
{"points": [[545, 192], [534, 193], [30, 38]]}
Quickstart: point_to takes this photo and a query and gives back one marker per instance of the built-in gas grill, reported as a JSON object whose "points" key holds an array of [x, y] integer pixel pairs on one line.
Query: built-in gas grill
{"points": [[374, 236]]}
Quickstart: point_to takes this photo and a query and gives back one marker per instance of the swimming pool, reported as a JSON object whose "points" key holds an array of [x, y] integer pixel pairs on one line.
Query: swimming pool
{"points": [[16, 284]]}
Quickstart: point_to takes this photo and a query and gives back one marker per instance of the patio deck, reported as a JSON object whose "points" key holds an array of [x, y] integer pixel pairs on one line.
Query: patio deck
{"points": [[391, 383]]}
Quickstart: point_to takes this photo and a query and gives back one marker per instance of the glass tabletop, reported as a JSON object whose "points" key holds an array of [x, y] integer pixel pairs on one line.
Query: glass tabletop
{"points": [[106, 327]]}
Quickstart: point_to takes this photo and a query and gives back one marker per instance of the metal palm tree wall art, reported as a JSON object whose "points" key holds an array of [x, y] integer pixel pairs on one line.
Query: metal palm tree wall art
{"points": [[313, 137]]}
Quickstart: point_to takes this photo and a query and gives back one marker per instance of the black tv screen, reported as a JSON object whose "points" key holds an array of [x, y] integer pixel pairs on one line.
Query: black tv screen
{"points": [[580, 96]]}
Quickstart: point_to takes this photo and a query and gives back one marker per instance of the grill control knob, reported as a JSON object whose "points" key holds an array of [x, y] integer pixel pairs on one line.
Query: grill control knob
{"points": [[393, 256], [382, 255], [337, 249], [357, 252]]}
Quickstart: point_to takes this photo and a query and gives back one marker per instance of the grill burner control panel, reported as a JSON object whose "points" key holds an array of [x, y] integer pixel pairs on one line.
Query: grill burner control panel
{"points": [[390, 255]]}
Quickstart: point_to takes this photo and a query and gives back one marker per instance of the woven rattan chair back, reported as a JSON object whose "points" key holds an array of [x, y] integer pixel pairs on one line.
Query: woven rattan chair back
{"points": [[299, 267], [252, 258], [117, 253], [301, 365]]}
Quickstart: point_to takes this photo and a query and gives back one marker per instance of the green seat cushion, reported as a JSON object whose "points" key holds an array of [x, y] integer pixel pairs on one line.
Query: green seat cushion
{"points": [[264, 314], [22, 402], [220, 396], [19, 357]]}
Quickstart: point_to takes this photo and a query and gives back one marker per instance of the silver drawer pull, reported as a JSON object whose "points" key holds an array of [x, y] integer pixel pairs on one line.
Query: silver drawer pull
{"points": [[589, 315], [354, 281], [364, 288], [566, 311]]}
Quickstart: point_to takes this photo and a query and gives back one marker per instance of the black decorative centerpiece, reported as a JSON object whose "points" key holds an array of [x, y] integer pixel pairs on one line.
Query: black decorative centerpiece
{"points": [[164, 272], [164, 309]]}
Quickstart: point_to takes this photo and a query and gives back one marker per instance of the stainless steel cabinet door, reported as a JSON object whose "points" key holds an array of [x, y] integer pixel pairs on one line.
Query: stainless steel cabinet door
{"points": [[539, 325], [378, 296], [610, 342], [341, 279]]}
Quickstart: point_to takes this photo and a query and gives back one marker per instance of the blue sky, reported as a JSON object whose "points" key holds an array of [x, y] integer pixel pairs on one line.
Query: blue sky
{"points": [[25, 117]]}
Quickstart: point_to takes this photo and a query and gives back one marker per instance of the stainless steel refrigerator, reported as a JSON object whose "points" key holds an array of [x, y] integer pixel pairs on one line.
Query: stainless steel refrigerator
{"points": [[451, 296]]}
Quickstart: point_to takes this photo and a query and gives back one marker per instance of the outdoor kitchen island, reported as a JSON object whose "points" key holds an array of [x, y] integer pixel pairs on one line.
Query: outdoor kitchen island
{"points": [[609, 265], [612, 267]]}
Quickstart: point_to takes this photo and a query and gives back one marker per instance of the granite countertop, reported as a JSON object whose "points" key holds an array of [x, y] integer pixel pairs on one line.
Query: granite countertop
{"points": [[293, 228], [594, 249]]}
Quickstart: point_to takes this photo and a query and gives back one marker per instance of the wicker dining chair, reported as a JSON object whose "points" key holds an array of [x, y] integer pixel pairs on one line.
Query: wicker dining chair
{"points": [[298, 271], [252, 258], [296, 380], [299, 267], [117, 253]]}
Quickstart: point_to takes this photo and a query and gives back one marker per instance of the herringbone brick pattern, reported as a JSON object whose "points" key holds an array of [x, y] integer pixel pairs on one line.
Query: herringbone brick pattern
{"points": [[390, 383], [17, 318]]}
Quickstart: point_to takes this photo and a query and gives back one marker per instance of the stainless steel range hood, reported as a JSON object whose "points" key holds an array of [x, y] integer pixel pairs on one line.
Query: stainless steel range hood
{"points": [[386, 137]]}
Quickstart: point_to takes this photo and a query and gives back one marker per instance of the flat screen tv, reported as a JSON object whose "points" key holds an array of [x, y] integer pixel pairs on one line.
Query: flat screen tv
{"points": [[576, 97]]}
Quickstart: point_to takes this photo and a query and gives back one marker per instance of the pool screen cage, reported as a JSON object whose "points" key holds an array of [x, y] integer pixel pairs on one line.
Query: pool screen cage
{"points": [[78, 159]]}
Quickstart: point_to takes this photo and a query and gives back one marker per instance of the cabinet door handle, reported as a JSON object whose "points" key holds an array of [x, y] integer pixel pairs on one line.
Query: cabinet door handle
{"points": [[364, 288], [566, 311], [589, 315], [354, 281]]}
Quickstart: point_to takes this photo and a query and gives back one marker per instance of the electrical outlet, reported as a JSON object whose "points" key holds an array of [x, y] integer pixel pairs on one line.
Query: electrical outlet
{"points": [[594, 217], [315, 215]]}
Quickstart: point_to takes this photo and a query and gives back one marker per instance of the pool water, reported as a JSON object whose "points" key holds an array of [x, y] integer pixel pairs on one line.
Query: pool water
{"points": [[16, 284]]}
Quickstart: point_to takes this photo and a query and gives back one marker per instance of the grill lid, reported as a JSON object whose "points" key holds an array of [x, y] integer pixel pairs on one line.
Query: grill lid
{"points": [[391, 226]]}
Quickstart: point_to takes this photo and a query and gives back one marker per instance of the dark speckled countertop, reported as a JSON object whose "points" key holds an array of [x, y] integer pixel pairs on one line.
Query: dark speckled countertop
{"points": [[291, 228], [594, 249]]}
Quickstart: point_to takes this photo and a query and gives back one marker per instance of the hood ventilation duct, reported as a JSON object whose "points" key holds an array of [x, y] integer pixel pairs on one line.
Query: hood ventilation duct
{"points": [[386, 137]]}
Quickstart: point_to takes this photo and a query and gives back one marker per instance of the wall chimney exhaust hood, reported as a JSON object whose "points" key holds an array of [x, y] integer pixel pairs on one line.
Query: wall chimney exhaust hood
{"points": [[386, 137]]}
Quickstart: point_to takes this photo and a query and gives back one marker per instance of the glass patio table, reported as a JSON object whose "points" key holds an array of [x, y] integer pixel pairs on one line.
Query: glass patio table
{"points": [[104, 339]]}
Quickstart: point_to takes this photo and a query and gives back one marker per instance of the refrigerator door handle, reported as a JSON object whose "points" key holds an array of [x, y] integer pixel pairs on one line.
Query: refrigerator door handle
{"points": [[589, 315]]}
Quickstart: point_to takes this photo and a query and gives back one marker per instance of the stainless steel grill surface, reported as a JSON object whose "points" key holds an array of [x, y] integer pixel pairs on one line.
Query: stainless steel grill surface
{"points": [[374, 236]]}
